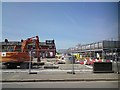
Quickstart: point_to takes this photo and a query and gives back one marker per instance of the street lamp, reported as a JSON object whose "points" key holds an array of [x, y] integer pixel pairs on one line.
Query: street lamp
{"points": [[72, 72], [30, 62], [73, 59]]}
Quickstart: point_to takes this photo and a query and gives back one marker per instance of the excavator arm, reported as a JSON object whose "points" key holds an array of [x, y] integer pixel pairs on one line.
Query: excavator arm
{"points": [[34, 40]]}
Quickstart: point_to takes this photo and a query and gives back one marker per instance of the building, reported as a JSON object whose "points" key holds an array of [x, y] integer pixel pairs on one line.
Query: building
{"points": [[102, 50], [47, 48]]}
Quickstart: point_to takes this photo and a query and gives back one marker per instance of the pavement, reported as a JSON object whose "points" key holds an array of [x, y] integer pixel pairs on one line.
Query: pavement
{"points": [[55, 76], [63, 73]]}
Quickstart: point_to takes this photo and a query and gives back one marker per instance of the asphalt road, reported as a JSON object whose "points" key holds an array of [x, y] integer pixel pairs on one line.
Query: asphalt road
{"points": [[82, 84]]}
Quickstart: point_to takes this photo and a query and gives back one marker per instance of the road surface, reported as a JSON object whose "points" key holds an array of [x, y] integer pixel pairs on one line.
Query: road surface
{"points": [[79, 84]]}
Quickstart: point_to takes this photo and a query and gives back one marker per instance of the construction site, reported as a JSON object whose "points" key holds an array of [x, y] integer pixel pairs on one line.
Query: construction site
{"points": [[19, 53], [66, 45], [22, 53], [30, 56]]}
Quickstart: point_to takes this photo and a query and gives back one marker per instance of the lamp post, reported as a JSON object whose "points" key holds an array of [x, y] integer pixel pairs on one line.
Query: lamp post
{"points": [[73, 72], [72, 58], [30, 62]]}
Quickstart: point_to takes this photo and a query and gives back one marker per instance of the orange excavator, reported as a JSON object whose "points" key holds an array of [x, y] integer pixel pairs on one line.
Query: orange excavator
{"points": [[22, 58]]}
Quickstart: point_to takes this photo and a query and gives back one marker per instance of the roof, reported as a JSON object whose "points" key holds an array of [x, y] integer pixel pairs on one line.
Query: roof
{"points": [[19, 43]]}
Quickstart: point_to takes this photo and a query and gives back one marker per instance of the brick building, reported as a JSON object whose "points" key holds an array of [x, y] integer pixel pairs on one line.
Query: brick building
{"points": [[47, 48]]}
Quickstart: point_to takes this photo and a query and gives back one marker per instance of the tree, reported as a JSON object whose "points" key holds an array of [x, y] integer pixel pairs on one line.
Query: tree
{"points": [[6, 40], [21, 40]]}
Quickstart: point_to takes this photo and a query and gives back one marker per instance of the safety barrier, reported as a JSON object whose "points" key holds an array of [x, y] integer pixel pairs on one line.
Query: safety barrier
{"points": [[102, 67]]}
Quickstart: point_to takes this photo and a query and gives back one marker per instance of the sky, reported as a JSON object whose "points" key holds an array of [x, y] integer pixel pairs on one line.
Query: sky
{"points": [[68, 23]]}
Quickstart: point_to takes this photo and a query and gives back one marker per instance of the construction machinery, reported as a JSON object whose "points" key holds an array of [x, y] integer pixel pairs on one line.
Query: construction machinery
{"points": [[77, 56], [14, 58]]}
